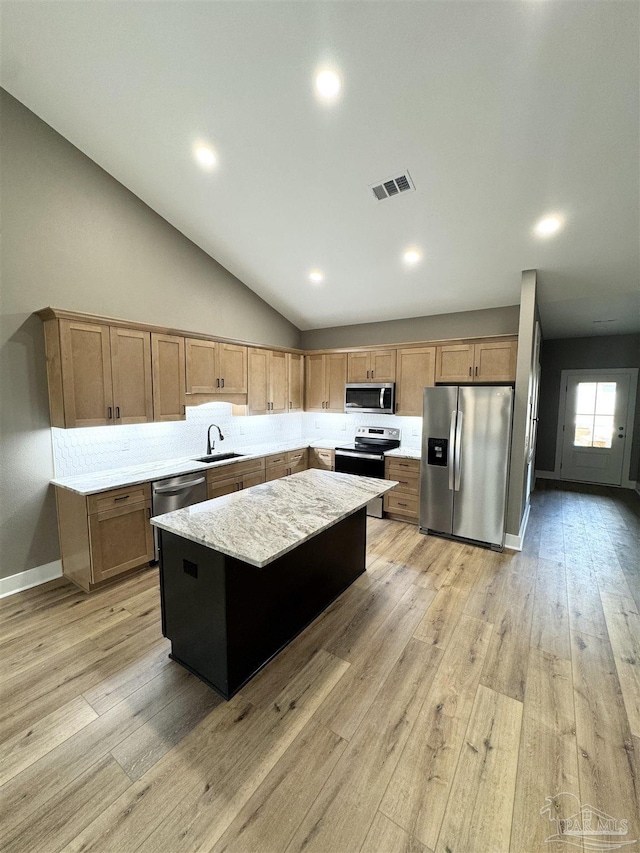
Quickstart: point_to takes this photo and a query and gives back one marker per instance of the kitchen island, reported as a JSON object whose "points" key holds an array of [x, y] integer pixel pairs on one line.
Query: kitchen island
{"points": [[242, 575]]}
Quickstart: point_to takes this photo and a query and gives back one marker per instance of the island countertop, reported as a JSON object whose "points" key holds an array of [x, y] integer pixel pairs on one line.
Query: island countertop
{"points": [[260, 524]]}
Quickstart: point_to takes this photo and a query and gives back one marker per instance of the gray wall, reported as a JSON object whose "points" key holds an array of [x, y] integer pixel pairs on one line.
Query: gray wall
{"points": [[74, 238], [464, 324], [595, 353]]}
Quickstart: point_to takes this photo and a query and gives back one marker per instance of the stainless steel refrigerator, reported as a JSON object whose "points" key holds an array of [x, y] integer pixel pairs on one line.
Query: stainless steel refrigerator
{"points": [[466, 437]]}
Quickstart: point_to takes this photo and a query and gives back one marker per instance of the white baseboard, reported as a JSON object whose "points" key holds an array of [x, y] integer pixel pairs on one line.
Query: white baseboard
{"points": [[32, 577], [515, 542]]}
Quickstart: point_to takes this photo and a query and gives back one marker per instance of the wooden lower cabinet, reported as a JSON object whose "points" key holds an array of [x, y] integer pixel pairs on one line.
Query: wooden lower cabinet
{"points": [[104, 536], [323, 458], [403, 503], [234, 477]]}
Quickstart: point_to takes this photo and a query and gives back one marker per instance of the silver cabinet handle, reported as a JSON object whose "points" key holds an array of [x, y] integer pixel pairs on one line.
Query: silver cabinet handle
{"points": [[458, 454], [452, 441]]}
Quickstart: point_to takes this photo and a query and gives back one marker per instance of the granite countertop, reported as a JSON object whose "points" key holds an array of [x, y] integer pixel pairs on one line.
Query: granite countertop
{"points": [[114, 478], [260, 524], [131, 475]]}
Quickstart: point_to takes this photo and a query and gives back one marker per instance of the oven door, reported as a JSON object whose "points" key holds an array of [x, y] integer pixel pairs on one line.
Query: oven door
{"points": [[369, 397], [362, 464]]}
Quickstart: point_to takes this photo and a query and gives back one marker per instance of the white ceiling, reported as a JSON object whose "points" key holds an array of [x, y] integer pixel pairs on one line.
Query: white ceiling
{"points": [[503, 112]]}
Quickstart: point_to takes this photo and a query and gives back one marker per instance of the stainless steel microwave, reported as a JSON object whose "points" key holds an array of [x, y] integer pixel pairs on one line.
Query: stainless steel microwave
{"points": [[374, 397]]}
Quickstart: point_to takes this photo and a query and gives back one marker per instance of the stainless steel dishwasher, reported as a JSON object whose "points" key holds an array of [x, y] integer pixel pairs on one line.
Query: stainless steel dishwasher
{"points": [[176, 493]]}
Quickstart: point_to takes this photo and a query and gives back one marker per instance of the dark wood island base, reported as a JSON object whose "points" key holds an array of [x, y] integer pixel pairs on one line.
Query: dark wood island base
{"points": [[226, 618]]}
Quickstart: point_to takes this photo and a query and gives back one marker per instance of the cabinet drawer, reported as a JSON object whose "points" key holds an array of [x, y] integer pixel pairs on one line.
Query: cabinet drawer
{"points": [[401, 464], [276, 459], [401, 504], [322, 458], [235, 469], [294, 457], [409, 481], [119, 498]]}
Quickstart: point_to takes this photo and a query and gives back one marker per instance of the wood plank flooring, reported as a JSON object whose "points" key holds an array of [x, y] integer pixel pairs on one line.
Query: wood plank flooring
{"points": [[452, 700]]}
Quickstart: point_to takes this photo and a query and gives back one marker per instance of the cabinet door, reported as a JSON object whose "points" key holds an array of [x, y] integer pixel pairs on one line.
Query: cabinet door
{"points": [[232, 368], [314, 384], [383, 365], [131, 374], [222, 487], [202, 374], [249, 480], [258, 396], [336, 379], [276, 472], [358, 367], [321, 458], [167, 359], [454, 363], [278, 382], [86, 367], [416, 371], [495, 362], [295, 381], [121, 539]]}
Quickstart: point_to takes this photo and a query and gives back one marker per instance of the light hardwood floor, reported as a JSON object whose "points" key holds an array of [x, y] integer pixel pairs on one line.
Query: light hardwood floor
{"points": [[434, 707]]}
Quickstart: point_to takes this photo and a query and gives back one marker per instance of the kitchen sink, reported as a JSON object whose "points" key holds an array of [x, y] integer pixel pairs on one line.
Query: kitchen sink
{"points": [[217, 457]]}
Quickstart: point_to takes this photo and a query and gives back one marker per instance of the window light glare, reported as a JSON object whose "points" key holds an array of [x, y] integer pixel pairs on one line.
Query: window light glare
{"points": [[411, 257], [316, 276], [205, 156], [328, 84], [547, 226]]}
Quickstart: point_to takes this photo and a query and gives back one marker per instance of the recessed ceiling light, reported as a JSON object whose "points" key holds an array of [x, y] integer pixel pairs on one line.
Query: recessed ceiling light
{"points": [[316, 276], [328, 84], [205, 156], [411, 257], [547, 226]]}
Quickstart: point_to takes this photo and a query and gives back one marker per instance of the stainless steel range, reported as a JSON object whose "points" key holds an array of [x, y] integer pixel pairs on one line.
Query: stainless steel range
{"points": [[365, 457]]}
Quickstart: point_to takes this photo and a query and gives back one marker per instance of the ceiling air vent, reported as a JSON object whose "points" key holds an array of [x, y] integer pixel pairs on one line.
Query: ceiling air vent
{"points": [[392, 186]]}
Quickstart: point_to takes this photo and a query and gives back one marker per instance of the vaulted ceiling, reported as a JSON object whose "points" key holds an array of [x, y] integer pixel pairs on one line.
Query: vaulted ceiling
{"points": [[502, 112]]}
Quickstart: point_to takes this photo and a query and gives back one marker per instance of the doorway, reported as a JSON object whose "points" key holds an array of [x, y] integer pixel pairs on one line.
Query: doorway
{"points": [[595, 425]]}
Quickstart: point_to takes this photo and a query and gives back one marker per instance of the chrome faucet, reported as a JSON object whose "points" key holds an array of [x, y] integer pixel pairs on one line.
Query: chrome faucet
{"points": [[210, 443]]}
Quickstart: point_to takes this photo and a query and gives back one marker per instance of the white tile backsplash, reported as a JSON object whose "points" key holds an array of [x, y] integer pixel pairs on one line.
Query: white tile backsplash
{"points": [[86, 451]]}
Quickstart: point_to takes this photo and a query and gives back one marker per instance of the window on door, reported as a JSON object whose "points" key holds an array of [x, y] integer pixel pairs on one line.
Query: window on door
{"points": [[595, 411]]}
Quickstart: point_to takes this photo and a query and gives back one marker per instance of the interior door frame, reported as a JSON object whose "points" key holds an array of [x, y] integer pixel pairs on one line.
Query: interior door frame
{"points": [[632, 372]]}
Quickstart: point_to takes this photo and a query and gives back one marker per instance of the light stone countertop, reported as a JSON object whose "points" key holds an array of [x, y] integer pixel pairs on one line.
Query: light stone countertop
{"points": [[405, 452], [260, 524], [131, 475]]}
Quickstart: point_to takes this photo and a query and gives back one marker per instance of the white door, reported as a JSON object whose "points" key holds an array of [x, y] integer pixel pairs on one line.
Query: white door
{"points": [[595, 420]]}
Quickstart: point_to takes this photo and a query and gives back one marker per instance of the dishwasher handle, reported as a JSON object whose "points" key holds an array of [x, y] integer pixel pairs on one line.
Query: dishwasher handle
{"points": [[174, 490]]}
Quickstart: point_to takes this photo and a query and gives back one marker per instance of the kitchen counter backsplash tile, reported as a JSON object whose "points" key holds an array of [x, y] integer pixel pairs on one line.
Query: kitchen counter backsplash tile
{"points": [[87, 451], [95, 449]]}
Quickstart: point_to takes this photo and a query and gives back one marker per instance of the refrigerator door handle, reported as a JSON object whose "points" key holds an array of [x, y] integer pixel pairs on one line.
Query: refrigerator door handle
{"points": [[458, 451], [452, 442]]}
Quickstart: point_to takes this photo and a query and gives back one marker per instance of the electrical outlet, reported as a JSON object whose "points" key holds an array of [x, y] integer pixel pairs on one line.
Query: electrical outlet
{"points": [[416, 431], [344, 426], [317, 424], [125, 445]]}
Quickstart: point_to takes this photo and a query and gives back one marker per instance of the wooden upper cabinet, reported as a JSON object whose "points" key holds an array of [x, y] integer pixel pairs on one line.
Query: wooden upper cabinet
{"points": [[258, 393], [326, 376], [495, 362], [214, 367], [131, 375], [86, 385], [295, 381], [278, 382], [454, 363], [267, 382], [416, 371], [314, 383], [372, 366], [202, 374], [167, 358], [336, 379], [358, 369], [232, 368]]}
